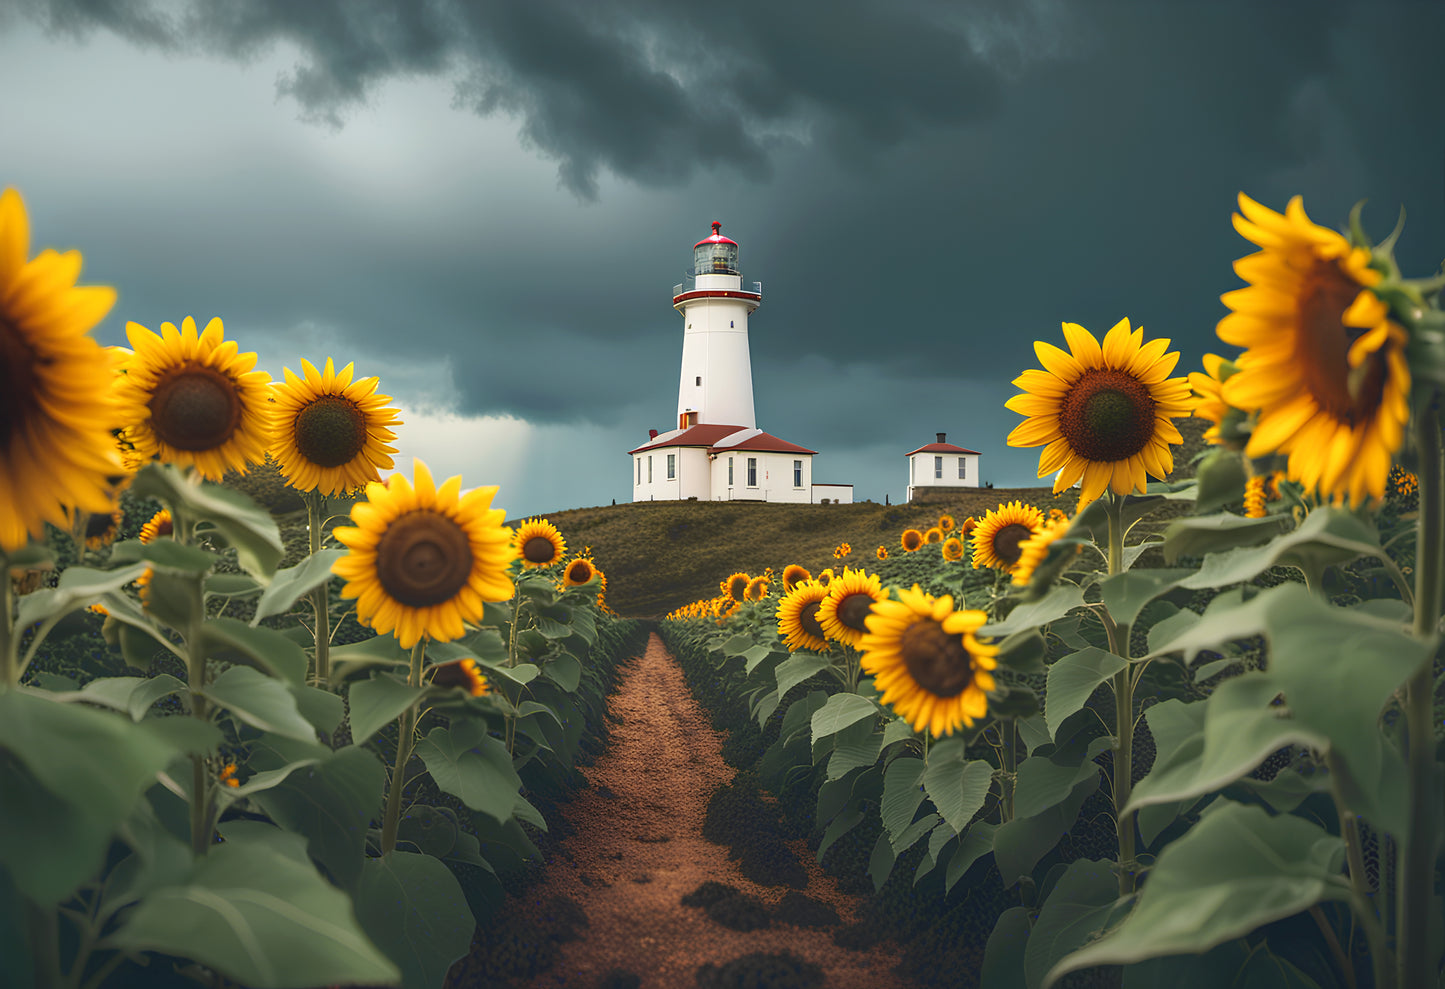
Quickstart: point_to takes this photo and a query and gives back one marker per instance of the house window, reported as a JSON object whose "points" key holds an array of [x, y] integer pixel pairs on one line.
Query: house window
{"points": [[699, 381], [962, 468], [797, 473], [730, 471], [938, 467], [730, 323], [752, 472], [639, 470], [649, 468], [671, 466]]}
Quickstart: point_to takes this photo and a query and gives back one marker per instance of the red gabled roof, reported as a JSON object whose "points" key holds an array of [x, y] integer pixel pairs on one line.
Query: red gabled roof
{"points": [[761, 442], [704, 435], [942, 448]]}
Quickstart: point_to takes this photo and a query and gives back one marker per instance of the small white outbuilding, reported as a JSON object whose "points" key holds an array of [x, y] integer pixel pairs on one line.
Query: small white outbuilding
{"points": [[941, 465]]}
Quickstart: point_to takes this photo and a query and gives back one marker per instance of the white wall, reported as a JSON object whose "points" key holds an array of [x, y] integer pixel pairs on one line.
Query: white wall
{"points": [[921, 470], [837, 494], [774, 477]]}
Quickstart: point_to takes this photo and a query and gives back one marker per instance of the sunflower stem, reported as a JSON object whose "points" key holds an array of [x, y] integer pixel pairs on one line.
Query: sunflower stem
{"points": [[1010, 766], [321, 596], [196, 675], [406, 727], [1123, 712], [1416, 860], [9, 641]]}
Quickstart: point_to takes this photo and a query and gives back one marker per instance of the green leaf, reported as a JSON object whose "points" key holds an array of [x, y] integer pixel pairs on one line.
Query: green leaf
{"points": [[378, 652], [738, 644], [854, 746], [1043, 782], [69, 775], [413, 909], [261, 918], [228, 514], [902, 794], [164, 553], [379, 701], [1198, 535], [1126, 594], [77, 588], [129, 695], [472, 766], [956, 784], [565, 671], [1019, 844], [977, 842], [754, 655], [839, 712], [1073, 679], [265, 649], [1082, 903], [838, 827], [1235, 964], [1328, 536], [1221, 481], [323, 709], [1003, 956], [331, 802], [266, 780], [261, 702], [797, 668], [232, 585], [1236, 870], [1023, 651], [1034, 614], [291, 584]]}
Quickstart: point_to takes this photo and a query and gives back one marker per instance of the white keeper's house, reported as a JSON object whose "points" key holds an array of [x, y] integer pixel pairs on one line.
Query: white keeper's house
{"points": [[717, 452], [941, 465]]}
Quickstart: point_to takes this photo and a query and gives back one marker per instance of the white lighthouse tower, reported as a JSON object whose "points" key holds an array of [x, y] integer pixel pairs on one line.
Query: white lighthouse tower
{"points": [[716, 385]]}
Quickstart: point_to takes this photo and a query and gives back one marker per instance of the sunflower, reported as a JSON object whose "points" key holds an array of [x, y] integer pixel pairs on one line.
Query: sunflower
{"points": [[539, 544], [601, 587], [1272, 485], [736, 586], [330, 433], [191, 399], [996, 539], [726, 611], [56, 412], [946, 523], [1208, 394], [911, 540], [143, 586], [798, 618], [928, 662], [882, 552], [757, 589], [159, 526], [793, 575], [966, 527], [423, 560], [842, 612], [842, 550], [101, 528], [1402, 482], [463, 674], [227, 776], [578, 572], [953, 549], [1035, 548], [933, 535], [1324, 366], [1101, 412], [1254, 497], [825, 577], [99, 609]]}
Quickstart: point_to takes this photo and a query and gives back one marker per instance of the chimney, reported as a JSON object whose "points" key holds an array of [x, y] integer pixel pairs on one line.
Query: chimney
{"points": [[652, 434], [941, 436]]}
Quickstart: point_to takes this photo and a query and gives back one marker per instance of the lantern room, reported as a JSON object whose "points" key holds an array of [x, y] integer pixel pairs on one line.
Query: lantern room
{"points": [[715, 255]]}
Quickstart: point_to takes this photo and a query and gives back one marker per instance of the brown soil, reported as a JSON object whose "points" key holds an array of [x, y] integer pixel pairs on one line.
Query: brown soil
{"points": [[639, 849]]}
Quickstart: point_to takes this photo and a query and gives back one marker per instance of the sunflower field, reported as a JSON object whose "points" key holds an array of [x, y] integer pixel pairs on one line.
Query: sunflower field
{"points": [[215, 769], [1192, 735]]}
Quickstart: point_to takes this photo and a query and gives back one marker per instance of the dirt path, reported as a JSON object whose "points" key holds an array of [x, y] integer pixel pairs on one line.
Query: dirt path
{"points": [[652, 784]]}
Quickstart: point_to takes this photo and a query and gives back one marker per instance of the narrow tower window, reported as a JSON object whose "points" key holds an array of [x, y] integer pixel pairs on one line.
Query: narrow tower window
{"points": [[730, 323]]}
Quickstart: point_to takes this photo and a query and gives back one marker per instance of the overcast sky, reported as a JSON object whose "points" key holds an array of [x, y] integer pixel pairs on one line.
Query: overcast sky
{"points": [[487, 202]]}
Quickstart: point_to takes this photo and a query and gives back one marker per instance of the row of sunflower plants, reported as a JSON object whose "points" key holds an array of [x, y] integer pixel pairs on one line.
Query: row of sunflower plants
{"points": [[1283, 666], [238, 797]]}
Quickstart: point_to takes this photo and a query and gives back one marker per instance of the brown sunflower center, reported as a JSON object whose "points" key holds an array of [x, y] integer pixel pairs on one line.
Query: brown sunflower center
{"points": [[98, 525], [580, 573], [17, 382], [195, 407], [330, 431], [808, 619], [539, 549], [853, 609], [1107, 415], [937, 661], [423, 559], [1006, 541], [1323, 343], [737, 589], [912, 540]]}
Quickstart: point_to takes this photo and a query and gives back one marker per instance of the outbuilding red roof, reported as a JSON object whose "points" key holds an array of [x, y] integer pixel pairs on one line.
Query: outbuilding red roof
{"points": [[942, 448]]}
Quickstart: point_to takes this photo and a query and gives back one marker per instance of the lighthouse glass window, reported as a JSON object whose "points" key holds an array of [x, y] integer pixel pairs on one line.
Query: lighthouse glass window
{"points": [[715, 259]]}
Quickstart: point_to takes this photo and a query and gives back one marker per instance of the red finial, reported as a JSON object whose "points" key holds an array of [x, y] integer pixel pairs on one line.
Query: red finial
{"points": [[716, 227]]}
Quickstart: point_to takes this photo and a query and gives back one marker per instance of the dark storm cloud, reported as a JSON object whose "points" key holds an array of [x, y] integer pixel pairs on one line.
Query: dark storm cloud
{"points": [[650, 90]]}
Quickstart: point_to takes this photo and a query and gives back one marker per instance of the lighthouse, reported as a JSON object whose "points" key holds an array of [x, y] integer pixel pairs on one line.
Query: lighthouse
{"points": [[716, 384], [717, 452]]}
